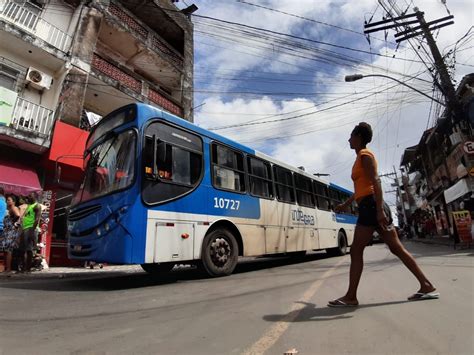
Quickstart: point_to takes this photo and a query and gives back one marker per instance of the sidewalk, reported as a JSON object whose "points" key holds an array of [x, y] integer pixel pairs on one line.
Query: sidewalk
{"points": [[70, 272], [438, 240]]}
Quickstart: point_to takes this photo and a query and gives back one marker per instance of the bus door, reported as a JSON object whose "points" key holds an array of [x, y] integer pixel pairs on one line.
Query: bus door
{"points": [[174, 241], [275, 233], [325, 217], [327, 229], [302, 234], [294, 239], [285, 193]]}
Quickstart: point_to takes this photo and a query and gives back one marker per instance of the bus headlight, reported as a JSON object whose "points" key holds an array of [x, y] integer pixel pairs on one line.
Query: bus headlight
{"points": [[98, 232]]}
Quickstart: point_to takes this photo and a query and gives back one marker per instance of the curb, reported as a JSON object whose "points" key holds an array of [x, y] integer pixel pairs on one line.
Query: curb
{"points": [[69, 274]]}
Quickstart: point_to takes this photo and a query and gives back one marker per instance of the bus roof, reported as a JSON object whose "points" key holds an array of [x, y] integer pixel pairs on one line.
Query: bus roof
{"points": [[340, 188]]}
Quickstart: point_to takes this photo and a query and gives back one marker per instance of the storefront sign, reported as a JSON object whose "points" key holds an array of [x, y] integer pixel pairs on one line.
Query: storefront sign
{"points": [[47, 213], [469, 147], [456, 191], [462, 220]]}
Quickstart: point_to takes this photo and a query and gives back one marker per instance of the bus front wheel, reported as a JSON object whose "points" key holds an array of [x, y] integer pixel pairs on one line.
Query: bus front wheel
{"points": [[341, 248], [219, 253]]}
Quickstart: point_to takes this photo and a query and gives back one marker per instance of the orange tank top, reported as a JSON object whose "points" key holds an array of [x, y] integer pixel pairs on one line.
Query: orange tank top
{"points": [[362, 184]]}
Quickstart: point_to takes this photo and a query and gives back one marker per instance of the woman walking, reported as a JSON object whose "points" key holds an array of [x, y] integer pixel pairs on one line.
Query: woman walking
{"points": [[374, 215], [11, 231]]}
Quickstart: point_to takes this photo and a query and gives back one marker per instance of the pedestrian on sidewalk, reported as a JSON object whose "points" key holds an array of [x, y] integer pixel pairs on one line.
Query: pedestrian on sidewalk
{"points": [[374, 215], [22, 206], [28, 238], [11, 231], [3, 211]]}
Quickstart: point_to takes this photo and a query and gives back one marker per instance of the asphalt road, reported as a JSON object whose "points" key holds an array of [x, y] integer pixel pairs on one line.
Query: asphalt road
{"points": [[270, 305]]}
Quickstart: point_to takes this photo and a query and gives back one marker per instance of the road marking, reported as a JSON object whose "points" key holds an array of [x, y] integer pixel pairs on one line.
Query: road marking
{"points": [[271, 336]]}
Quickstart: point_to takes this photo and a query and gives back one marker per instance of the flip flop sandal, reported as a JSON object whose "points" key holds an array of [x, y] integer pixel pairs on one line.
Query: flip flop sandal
{"points": [[340, 304], [419, 296]]}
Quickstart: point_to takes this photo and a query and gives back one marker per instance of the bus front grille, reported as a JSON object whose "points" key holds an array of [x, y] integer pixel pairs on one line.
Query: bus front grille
{"points": [[83, 212]]}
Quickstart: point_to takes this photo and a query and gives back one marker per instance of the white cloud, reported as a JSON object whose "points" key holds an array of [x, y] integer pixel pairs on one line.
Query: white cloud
{"points": [[398, 116]]}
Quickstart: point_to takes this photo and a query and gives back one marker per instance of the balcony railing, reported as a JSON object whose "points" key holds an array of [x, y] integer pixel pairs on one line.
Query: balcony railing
{"points": [[24, 18], [31, 117]]}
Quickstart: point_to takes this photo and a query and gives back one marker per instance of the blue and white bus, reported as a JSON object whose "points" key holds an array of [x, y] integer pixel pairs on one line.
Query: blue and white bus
{"points": [[160, 191]]}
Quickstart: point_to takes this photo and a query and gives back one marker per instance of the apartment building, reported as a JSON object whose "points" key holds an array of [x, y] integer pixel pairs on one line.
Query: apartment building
{"points": [[438, 173], [66, 63]]}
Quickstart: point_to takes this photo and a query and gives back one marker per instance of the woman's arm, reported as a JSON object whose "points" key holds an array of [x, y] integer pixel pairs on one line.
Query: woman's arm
{"points": [[16, 211], [369, 168]]}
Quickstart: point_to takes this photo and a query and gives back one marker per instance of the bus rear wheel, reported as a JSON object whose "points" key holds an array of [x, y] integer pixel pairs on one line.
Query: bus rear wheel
{"points": [[341, 248], [158, 269], [219, 253]]}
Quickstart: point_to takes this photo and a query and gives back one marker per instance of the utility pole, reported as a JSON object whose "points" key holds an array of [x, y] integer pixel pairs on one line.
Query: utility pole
{"points": [[399, 194], [423, 28], [446, 83]]}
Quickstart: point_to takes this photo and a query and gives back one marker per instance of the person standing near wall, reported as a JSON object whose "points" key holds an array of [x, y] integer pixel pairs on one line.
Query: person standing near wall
{"points": [[10, 231], [3, 210], [30, 222]]}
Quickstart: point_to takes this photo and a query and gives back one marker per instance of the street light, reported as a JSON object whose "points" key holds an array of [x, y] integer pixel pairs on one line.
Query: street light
{"points": [[356, 77]]}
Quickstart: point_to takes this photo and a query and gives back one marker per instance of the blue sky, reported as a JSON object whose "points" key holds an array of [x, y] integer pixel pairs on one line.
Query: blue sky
{"points": [[246, 79]]}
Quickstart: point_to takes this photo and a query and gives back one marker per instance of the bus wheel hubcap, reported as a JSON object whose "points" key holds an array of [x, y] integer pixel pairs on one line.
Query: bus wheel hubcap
{"points": [[220, 251]]}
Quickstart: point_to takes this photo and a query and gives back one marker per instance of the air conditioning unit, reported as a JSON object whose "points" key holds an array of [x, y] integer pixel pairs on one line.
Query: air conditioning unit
{"points": [[38, 79]]}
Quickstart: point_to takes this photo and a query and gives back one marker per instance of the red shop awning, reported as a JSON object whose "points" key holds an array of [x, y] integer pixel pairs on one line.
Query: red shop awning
{"points": [[18, 179]]}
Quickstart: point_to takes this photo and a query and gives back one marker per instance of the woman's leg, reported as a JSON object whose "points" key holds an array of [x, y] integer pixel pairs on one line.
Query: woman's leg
{"points": [[390, 238], [362, 237]]}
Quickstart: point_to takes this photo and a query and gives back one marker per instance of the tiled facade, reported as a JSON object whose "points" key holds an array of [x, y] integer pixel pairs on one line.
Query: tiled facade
{"points": [[115, 73], [127, 20], [157, 98]]}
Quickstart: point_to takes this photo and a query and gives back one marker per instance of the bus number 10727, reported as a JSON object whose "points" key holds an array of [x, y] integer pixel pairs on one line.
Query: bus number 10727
{"points": [[226, 203]]}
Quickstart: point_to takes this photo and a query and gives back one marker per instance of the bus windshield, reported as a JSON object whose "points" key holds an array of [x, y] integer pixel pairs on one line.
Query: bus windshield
{"points": [[110, 166]]}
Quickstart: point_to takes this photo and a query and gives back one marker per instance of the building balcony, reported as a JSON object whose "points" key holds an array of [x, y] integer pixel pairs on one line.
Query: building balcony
{"points": [[129, 41], [21, 17], [126, 84], [31, 117], [25, 125], [157, 43]]}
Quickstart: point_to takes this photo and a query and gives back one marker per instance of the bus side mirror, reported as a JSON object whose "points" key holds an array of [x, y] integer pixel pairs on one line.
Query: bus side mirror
{"points": [[155, 153], [160, 152], [57, 174]]}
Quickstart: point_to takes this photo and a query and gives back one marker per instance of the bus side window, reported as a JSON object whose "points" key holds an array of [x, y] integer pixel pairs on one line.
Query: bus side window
{"points": [[354, 208], [284, 184], [334, 196], [322, 196], [172, 161], [260, 178], [304, 191], [227, 168]]}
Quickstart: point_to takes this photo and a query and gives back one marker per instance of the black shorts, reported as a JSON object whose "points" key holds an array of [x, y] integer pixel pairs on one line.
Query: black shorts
{"points": [[28, 239], [368, 212]]}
